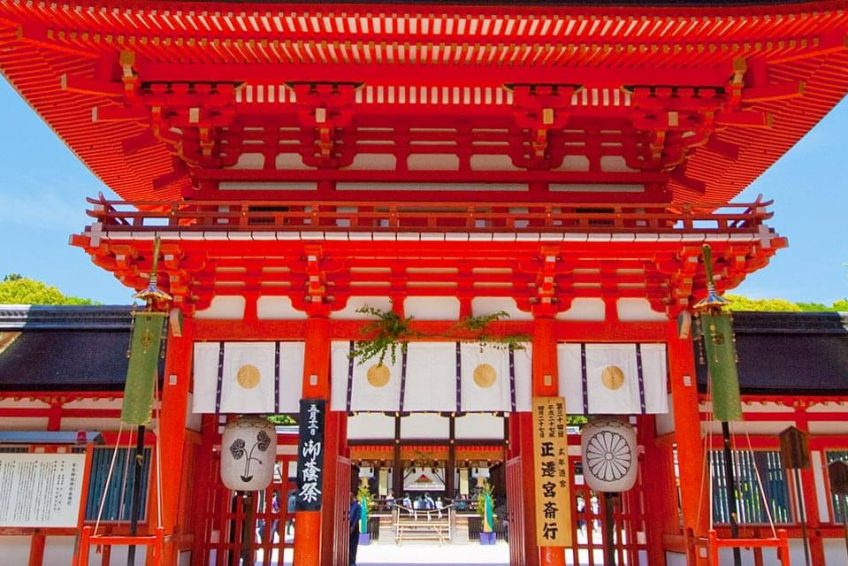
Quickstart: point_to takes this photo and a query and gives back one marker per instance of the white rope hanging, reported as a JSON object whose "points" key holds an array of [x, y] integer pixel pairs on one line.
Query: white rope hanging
{"points": [[125, 477], [761, 489], [108, 478], [759, 479]]}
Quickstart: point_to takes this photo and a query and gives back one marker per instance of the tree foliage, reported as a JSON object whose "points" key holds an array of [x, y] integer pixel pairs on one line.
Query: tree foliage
{"points": [[742, 303], [18, 290]]}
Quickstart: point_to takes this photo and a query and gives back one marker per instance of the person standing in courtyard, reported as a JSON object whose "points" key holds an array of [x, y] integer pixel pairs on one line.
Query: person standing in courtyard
{"points": [[291, 508], [354, 516]]}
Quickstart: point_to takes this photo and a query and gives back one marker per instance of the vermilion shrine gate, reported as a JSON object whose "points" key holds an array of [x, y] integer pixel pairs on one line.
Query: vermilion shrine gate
{"points": [[561, 163]]}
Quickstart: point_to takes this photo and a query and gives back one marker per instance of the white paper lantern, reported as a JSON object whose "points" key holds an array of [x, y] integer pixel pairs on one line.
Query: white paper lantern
{"points": [[610, 454], [248, 453]]}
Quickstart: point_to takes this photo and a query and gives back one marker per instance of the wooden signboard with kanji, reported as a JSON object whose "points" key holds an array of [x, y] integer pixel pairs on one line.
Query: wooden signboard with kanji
{"points": [[550, 463]]}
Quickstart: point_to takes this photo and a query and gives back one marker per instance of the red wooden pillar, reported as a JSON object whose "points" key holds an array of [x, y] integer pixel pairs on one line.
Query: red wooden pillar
{"points": [[545, 384], [811, 502], [687, 435], [203, 487], [660, 491], [172, 436], [308, 538], [36, 549], [521, 444]]}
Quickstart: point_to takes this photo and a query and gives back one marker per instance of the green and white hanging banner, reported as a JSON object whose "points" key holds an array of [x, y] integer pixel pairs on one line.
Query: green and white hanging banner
{"points": [[720, 353], [145, 346]]}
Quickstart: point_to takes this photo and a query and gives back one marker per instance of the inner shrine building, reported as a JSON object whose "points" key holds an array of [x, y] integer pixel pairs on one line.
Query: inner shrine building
{"points": [[427, 219]]}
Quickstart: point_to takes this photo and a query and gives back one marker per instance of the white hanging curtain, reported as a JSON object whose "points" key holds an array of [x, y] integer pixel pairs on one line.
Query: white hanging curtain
{"points": [[364, 386], [431, 377], [247, 377], [441, 377], [495, 379], [613, 378]]}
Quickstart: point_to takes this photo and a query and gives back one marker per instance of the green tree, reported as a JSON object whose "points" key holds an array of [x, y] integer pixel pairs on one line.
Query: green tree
{"points": [[742, 303], [18, 290]]}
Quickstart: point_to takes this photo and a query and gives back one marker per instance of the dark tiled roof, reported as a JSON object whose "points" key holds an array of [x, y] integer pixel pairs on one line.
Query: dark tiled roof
{"points": [[790, 353], [84, 348], [63, 348], [15, 317], [39, 360]]}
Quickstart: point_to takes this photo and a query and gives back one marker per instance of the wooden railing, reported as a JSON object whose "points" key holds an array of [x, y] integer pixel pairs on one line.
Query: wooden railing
{"points": [[390, 217], [155, 541], [780, 542], [419, 524]]}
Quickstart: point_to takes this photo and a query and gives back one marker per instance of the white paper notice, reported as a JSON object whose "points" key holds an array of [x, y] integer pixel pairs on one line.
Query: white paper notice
{"points": [[40, 490]]}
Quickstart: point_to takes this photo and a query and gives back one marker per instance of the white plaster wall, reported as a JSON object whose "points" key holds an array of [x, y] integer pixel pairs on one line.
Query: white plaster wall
{"points": [[769, 557], [828, 408], [796, 551], [15, 550], [424, 426], [114, 403], [370, 426], [371, 162], [91, 424], [249, 161], [223, 308], [796, 555], [665, 421], [638, 310], [835, 553], [290, 161], [766, 408], [584, 309], [193, 420], [481, 306], [432, 162], [432, 308], [277, 308], [59, 550], [492, 163], [354, 303], [10, 402], [24, 423], [752, 428], [119, 556], [479, 426], [829, 427], [817, 465]]}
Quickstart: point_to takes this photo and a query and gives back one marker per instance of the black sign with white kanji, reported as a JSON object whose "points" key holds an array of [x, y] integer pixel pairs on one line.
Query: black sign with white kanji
{"points": [[310, 455]]}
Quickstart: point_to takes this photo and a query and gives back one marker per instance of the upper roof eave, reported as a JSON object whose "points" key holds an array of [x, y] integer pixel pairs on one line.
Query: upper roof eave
{"points": [[35, 68]]}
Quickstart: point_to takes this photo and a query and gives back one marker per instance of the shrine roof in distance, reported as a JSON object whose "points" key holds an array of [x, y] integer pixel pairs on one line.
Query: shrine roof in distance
{"points": [[534, 102]]}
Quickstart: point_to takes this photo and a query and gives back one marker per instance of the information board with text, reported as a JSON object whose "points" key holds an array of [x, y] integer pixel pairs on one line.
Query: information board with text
{"points": [[40, 490]]}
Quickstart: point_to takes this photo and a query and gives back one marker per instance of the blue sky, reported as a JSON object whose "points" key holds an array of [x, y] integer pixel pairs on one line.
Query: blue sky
{"points": [[43, 188]]}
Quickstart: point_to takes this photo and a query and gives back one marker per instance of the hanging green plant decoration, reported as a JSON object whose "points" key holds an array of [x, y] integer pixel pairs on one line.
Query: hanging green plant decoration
{"points": [[390, 332], [478, 326]]}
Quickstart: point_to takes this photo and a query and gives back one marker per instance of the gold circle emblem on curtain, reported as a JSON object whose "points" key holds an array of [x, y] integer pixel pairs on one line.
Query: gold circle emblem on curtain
{"points": [[248, 376], [612, 377], [378, 375], [485, 375]]}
